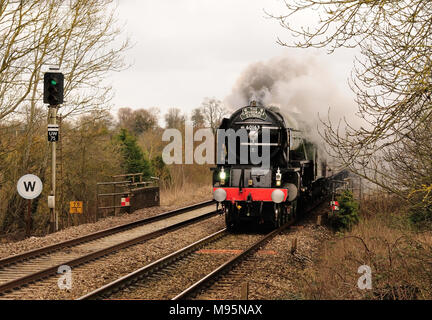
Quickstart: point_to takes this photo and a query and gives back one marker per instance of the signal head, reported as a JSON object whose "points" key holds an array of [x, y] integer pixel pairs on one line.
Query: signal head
{"points": [[53, 88]]}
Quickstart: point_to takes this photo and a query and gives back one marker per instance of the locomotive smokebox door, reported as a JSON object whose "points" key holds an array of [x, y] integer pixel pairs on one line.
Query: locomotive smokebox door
{"points": [[261, 177]]}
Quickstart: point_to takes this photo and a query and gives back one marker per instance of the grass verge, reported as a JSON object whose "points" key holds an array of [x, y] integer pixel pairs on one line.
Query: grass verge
{"points": [[399, 257]]}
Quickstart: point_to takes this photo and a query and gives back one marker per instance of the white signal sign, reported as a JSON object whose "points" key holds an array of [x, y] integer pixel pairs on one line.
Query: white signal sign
{"points": [[29, 186], [53, 132]]}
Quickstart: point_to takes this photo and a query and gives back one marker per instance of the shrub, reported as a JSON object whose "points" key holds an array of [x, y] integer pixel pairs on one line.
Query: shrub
{"points": [[348, 213], [421, 215], [161, 170], [134, 159]]}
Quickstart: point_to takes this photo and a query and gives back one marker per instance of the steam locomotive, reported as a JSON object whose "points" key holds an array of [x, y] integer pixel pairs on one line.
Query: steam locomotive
{"points": [[271, 193]]}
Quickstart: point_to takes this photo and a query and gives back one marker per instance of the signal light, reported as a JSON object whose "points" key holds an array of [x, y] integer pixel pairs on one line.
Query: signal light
{"points": [[53, 88]]}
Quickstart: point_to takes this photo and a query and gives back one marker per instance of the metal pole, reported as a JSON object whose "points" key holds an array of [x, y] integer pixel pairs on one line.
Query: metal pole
{"points": [[114, 199], [97, 203], [54, 217], [28, 217]]}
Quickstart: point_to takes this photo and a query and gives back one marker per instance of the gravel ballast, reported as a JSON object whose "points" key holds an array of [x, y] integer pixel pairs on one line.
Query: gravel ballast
{"points": [[12, 248], [93, 275], [274, 273]]}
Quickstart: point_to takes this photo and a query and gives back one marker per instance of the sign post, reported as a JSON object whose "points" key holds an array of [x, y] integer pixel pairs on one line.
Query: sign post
{"points": [[54, 218], [29, 219], [29, 187], [53, 95]]}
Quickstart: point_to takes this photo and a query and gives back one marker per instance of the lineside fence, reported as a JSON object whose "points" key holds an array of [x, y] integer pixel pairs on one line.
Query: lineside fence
{"points": [[352, 183], [125, 194]]}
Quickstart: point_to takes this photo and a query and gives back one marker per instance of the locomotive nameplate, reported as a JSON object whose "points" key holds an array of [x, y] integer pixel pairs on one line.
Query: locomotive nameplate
{"points": [[253, 112]]}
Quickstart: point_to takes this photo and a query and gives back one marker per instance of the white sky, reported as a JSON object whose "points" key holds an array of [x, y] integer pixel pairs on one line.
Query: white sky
{"points": [[186, 50]]}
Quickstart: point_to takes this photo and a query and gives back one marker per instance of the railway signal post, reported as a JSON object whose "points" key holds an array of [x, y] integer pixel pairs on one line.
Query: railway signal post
{"points": [[53, 96]]}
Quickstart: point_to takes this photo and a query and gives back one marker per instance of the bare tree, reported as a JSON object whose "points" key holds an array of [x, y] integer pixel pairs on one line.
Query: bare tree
{"points": [[197, 118], [174, 118], [125, 117], [137, 121], [76, 35], [79, 37], [213, 112], [20, 22], [391, 79]]}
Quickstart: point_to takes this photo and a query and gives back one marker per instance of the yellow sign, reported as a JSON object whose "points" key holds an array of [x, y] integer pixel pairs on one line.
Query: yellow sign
{"points": [[76, 207]]}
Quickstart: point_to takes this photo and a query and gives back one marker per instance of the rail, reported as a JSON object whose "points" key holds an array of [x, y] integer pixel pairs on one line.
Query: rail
{"points": [[51, 268]]}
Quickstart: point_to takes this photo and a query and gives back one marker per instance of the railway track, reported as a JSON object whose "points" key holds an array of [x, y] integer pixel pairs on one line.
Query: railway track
{"points": [[22, 269], [182, 274], [230, 284]]}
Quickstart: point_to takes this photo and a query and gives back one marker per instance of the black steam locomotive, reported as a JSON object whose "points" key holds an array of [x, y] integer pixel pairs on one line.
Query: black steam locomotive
{"points": [[271, 193]]}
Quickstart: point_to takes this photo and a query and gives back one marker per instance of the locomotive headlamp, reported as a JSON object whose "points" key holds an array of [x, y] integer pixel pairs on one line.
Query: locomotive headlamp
{"points": [[278, 178], [222, 174]]}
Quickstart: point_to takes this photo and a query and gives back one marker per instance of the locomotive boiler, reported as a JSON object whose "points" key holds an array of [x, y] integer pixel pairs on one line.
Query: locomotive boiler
{"points": [[290, 176]]}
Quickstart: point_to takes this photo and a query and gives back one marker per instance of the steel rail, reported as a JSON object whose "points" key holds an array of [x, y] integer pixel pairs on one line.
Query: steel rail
{"points": [[136, 275], [230, 263], [99, 234], [227, 266], [16, 283]]}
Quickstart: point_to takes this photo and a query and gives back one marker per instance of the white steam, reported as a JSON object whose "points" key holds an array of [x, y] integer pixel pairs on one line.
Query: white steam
{"points": [[302, 89]]}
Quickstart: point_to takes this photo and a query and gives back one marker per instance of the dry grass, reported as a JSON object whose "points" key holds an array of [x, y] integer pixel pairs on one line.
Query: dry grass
{"points": [[400, 258], [186, 194]]}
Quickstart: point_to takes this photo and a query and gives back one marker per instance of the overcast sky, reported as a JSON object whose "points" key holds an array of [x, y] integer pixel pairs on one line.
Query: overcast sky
{"points": [[186, 50]]}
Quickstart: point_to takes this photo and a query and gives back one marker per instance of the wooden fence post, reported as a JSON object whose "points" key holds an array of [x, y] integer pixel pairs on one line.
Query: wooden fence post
{"points": [[245, 291], [293, 245]]}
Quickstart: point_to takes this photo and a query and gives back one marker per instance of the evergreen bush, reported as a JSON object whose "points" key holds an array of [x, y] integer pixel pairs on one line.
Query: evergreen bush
{"points": [[134, 159], [348, 213]]}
